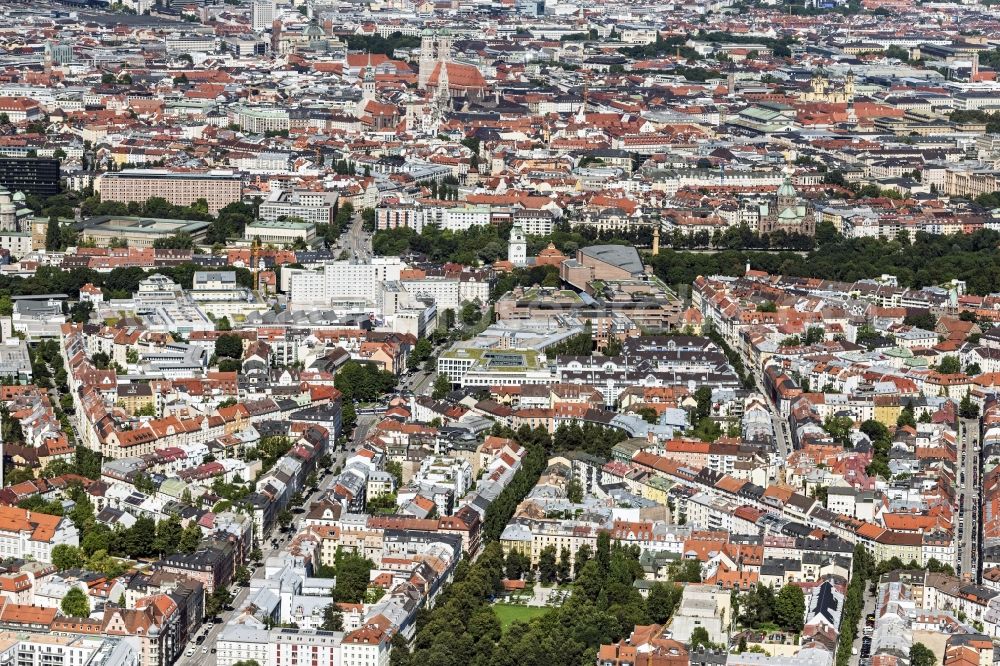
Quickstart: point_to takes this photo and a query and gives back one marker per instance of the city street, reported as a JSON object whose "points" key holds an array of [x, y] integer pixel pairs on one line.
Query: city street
{"points": [[418, 383], [968, 489], [869, 608], [326, 481], [782, 437], [356, 241]]}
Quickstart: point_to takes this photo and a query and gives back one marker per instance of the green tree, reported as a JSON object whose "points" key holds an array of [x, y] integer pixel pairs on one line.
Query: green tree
{"points": [[144, 484], [179, 241], [190, 538], [814, 334], [949, 365], [333, 619], [88, 463], [790, 608], [563, 568], [80, 312], [703, 396], [839, 427], [101, 360], [75, 603], [921, 655], [470, 313], [396, 469], [53, 236], [82, 514], [547, 569], [967, 409], [700, 638], [614, 347], [583, 555], [67, 557], [921, 319], [420, 353], [218, 600], [574, 490], [687, 571], [229, 346], [516, 565], [663, 601], [352, 574], [348, 416], [906, 417], [140, 539], [168, 535], [647, 413], [442, 387]]}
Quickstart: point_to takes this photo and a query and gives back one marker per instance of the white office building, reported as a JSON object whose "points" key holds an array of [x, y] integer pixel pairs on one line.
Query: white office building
{"points": [[344, 280], [263, 12]]}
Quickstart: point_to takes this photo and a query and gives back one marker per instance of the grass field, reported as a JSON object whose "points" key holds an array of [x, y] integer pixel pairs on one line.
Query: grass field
{"points": [[509, 613]]}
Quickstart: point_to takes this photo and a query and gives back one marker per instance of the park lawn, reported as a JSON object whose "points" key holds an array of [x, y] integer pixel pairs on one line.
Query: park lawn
{"points": [[509, 613]]}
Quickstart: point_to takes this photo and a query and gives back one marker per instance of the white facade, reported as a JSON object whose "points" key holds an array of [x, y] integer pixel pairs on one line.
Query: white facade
{"points": [[297, 647], [345, 280], [191, 43], [263, 14], [460, 219], [517, 250], [416, 217], [444, 291], [21, 543], [73, 650], [18, 243], [242, 643]]}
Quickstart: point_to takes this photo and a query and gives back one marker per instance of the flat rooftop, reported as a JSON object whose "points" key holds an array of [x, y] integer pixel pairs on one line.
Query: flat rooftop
{"points": [[280, 224], [141, 225], [167, 174]]}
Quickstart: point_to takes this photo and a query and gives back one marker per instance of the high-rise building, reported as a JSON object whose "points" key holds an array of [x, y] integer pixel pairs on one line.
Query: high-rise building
{"points": [[31, 175], [262, 14]]}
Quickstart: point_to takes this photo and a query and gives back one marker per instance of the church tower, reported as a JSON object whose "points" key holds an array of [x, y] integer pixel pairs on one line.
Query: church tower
{"points": [[517, 250], [435, 47], [368, 85], [849, 86], [787, 196]]}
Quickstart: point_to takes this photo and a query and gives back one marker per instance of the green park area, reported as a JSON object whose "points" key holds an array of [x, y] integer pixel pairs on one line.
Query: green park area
{"points": [[510, 613]]}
